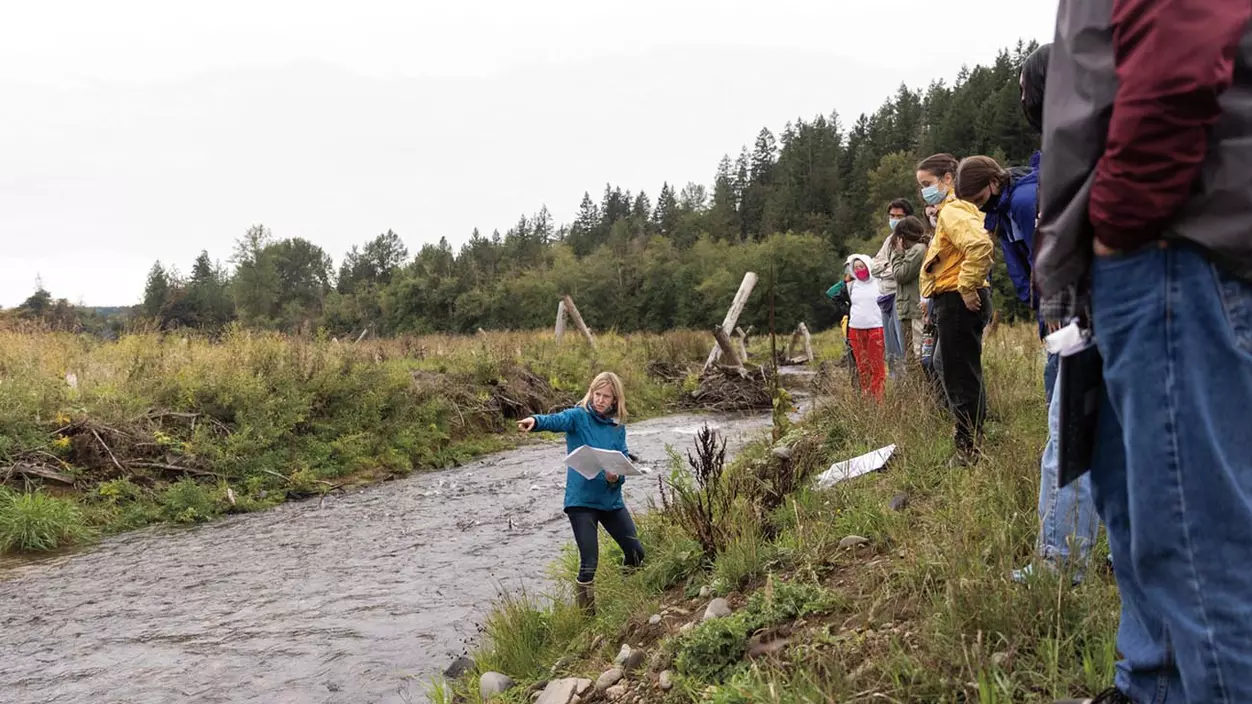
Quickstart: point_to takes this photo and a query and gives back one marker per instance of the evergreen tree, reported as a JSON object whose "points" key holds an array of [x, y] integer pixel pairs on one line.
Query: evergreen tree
{"points": [[584, 233], [665, 218], [724, 216], [156, 291]]}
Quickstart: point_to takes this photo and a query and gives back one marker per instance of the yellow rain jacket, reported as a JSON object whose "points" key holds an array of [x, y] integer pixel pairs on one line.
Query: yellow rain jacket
{"points": [[960, 254]]}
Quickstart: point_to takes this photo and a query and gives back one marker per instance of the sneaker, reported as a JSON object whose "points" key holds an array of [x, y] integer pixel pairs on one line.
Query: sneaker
{"points": [[1027, 573], [1111, 695]]}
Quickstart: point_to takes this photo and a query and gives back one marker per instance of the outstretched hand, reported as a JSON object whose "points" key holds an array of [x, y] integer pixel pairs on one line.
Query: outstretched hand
{"points": [[526, 425], [611, 477]]}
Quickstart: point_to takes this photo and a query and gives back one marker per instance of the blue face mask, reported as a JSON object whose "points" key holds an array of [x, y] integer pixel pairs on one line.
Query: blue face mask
{"points": [[933, 195], [892, 222]]}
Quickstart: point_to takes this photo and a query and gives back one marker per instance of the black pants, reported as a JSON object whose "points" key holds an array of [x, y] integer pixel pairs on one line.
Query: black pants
{"points": [[958, 358], [620, 526]]}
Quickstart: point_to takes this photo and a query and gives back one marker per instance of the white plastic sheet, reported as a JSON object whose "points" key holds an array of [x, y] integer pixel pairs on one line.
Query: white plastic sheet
{"points": [[855, 467]]}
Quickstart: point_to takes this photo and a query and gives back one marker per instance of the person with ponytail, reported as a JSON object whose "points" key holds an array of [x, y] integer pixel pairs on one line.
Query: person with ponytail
{"points": [[954, 278]]}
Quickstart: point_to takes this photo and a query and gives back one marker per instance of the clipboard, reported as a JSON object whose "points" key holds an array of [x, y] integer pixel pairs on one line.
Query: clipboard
{"points": [[590, 462]]}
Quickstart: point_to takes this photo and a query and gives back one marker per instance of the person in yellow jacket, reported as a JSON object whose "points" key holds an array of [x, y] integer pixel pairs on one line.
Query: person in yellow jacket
{"points": [[954, 278]]}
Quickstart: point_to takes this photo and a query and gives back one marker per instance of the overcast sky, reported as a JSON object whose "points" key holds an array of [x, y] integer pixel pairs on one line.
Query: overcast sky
{"points": [[136, 130]]}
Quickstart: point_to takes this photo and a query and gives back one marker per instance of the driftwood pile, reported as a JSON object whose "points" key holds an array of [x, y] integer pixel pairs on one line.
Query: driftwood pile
{"points": [[99, 452], [727, 389], [728, 382]]}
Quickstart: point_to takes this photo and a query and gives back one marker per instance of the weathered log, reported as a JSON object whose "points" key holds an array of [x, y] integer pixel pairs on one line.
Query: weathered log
{"points": [[578, 320], [732, 315], [741, 340], [561, 315], [808, 341], [729, 356]]}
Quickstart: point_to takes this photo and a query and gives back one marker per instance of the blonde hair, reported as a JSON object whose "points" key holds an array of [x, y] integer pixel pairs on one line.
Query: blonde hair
{"points": [[614, 382]]}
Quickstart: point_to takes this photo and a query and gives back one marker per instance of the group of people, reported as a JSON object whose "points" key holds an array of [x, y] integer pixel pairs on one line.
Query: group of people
{"points": [[1134, 223], [931, 278]]}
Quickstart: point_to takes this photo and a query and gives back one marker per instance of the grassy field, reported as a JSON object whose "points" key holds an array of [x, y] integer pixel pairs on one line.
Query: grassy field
{"points": [[922, 611], [100, 437]]}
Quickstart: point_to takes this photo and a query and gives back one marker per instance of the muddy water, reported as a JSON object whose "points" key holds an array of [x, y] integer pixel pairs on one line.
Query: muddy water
{"points": [[361, 599]]}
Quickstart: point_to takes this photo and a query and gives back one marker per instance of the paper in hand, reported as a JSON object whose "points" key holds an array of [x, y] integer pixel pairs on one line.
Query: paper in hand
{"points": [[589, 462]]}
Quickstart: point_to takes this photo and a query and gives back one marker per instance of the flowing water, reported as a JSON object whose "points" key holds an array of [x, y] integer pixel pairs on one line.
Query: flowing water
{"points": [[360, 598]]}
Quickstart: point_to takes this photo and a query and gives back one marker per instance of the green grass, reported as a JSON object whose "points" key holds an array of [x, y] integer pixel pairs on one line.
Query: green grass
{"points": [[32, 521], [926, 612]]}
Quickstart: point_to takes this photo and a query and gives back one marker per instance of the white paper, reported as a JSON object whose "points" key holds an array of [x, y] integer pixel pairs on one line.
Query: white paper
{"points": [[855, 467], [589, 462], [1066, 338]]}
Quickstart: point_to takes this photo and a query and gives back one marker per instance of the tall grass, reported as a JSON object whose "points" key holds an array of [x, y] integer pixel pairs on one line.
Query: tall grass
{"points": [[33, 521], [926, 612]]}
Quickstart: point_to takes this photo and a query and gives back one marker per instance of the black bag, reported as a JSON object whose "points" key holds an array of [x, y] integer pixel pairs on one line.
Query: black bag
{"points": [[1080, 393]]}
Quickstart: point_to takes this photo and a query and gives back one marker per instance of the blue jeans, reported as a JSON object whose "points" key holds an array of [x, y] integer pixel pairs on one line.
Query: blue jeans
{"points": [[893, 336], [1172, 474], [1067, 517], [620, 527]]}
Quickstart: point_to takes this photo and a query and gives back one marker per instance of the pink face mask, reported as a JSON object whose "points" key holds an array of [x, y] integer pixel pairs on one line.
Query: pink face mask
{"points": [[862, 274]]}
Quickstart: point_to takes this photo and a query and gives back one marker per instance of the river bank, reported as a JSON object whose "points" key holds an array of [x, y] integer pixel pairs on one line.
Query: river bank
{"points": [[894, 586], [98, 438], [362, 597]]}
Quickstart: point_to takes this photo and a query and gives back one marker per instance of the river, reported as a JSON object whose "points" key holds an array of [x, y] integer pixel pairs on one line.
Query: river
{"points": [[360, 598]]}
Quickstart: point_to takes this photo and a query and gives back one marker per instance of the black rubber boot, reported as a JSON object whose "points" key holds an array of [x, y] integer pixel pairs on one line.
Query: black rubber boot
{"points": [[585, 597]]}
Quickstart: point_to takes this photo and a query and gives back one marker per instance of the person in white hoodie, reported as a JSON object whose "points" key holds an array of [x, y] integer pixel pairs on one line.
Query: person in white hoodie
{"points": [[865, 326]]}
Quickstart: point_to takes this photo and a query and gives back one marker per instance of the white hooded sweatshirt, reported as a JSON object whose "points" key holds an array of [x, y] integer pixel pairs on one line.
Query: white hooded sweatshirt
{"points": [[865, 313]]}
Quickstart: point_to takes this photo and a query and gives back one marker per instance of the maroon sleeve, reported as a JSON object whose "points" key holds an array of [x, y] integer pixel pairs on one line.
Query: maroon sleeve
{"points": [[1174, 58]]}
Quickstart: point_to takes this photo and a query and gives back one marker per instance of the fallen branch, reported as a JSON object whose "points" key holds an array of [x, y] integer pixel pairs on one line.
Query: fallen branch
{"points": [[38, 470], [106, 449], [175, 468]]}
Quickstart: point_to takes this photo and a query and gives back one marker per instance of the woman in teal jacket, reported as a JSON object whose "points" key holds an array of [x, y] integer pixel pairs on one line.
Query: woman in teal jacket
{"points": [[598, 421]]}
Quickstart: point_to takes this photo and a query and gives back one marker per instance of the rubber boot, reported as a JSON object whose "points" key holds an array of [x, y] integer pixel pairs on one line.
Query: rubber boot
{"points": [[585, 597]]}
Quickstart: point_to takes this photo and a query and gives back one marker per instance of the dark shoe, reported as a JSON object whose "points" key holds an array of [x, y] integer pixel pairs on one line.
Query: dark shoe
{"points": [[585, 597], [964, 458], [1111, 695]]}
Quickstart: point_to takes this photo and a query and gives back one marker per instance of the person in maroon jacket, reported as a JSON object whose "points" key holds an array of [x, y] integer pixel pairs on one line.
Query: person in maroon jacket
{"points": [[1146, 232]]}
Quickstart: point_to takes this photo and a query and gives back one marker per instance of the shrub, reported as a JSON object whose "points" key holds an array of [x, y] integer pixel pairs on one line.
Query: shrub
{"points": [[700, 501], [33, 521], [189, 502]]}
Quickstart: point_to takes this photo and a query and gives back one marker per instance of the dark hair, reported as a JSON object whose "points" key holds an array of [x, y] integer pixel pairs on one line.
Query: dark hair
{"points": [[1034, 79], [976, 173], [910, 230], [938, 165], [902, 204]]}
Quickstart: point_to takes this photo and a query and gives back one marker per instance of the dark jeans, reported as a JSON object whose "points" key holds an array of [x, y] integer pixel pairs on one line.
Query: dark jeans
{"points": [[620, 526], [958, 357], [1172, 473]]}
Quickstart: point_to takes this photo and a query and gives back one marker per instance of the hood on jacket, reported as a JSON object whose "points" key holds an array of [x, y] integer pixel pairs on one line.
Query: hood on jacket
{"points": [[867, 261]]}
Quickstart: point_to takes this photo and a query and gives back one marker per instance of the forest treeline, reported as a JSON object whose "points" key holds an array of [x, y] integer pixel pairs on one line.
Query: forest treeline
{"points": [[790, 207]]}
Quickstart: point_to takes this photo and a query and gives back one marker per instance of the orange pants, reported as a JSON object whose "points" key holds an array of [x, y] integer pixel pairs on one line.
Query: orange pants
{"points": [[870, 351]]}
